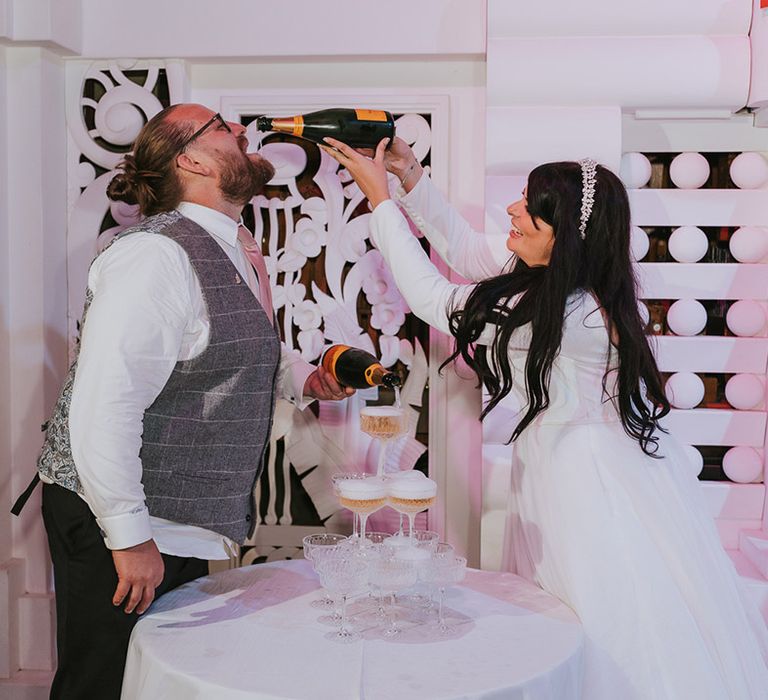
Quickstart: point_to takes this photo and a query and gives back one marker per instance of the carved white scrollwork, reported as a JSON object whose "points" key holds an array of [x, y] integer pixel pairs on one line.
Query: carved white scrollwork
{"points": [[115, 99], [335, 226]]}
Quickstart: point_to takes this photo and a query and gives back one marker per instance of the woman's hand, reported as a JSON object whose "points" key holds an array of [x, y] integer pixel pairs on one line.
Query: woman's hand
{"points": [[399, 158], [369, 173]]}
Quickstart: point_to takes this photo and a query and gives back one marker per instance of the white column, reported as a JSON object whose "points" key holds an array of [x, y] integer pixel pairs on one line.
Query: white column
{"points": [[33, 353]]}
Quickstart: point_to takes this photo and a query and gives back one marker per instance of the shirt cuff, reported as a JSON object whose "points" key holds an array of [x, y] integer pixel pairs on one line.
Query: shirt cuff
{"points": [[300, 374], [127, 529]]}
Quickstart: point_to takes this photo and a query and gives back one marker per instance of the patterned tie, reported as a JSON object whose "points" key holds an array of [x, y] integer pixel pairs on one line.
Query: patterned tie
{"points": [[254, 256]]}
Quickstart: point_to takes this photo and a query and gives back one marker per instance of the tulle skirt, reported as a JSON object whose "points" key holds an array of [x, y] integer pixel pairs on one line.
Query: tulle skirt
{"points": [[625, 540]]}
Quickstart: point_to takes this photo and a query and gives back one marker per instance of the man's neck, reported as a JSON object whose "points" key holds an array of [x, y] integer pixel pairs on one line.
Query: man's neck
{"points": [[218, 203]]}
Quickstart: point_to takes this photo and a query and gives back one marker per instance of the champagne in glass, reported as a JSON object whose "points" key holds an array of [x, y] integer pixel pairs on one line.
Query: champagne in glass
{"points": [[363, 497], [383, 423], [405, 474], [411, 496], [342, 476]]}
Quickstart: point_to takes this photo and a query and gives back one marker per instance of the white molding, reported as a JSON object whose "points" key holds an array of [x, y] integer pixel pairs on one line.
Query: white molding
{"points": [[710, 354], [717, 426], [703, 281], [735, 134], [702, 207]]}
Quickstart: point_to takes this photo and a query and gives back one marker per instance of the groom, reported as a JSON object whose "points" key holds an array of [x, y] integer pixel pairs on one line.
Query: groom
{"points": [[155, 444]]}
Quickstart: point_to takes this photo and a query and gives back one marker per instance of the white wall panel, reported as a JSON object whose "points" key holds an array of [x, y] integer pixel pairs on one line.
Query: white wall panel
{"points": [[519, 138], [55, 21], [703, 281], [618, 18], [711, 354], [635, 73], [672, 207], [716, 426], [243, 28]]}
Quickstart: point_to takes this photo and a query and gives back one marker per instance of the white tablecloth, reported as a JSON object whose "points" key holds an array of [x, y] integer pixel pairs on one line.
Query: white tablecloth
{"points": [[251, 633]]}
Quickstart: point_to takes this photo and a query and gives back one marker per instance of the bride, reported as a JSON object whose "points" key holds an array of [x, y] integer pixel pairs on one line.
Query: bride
{"points": [[604, 511]]}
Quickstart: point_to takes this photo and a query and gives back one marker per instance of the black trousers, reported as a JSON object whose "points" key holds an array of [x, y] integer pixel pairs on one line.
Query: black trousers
{"points": [[92, 634]]}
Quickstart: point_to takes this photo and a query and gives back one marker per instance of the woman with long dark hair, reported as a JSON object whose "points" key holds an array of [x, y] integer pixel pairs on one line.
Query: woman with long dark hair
{"points": [[605, 512]]}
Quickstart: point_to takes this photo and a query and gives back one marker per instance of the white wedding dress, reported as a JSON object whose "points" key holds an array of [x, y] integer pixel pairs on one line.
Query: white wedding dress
{"points": [[622, 538]]}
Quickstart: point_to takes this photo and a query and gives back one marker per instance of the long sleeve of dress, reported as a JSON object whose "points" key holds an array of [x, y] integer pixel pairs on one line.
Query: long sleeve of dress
{"points": [[473, 255], [430, 296]]}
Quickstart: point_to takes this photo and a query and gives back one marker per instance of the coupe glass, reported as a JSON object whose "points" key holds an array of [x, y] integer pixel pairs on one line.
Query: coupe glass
{"points": [[314, 544], [388, 577], [411, 497], [444, 573], [383, 423], [342, 476], [344, 577], [363, 497]]}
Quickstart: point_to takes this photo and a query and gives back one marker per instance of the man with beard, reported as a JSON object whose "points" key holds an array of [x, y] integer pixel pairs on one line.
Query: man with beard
{"points": [[158, 436]]}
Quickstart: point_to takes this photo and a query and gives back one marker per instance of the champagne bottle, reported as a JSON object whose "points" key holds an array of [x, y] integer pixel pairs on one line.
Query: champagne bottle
{"points": [[357, 368], [359, 128]]}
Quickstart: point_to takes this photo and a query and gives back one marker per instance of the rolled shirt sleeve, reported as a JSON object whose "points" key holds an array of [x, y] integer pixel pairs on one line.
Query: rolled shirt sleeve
{"points": [[292, 376]]}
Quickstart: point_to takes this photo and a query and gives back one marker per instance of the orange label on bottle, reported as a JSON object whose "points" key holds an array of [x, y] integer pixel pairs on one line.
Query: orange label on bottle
{"points": [[331, 356], [373, 115]]}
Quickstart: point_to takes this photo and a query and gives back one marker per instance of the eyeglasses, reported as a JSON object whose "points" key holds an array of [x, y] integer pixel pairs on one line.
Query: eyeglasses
{"points": [[215, 118]]}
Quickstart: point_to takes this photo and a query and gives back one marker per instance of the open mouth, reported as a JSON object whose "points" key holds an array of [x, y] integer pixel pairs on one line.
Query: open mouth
{"points": [[514, 233]]}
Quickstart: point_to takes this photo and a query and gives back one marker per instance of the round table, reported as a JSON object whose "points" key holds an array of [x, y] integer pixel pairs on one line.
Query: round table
{"points": [[252, 633]]}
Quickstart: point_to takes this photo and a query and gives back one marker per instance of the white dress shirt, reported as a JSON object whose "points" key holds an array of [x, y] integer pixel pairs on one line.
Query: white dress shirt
{"points": [[147, 314]]}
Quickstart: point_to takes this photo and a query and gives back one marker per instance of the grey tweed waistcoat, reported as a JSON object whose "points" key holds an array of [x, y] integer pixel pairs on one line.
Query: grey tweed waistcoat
{"points": [[204, 436]]}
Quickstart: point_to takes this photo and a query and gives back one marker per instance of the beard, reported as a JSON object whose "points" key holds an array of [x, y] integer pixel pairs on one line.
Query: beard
{"points": [[243, 176]]}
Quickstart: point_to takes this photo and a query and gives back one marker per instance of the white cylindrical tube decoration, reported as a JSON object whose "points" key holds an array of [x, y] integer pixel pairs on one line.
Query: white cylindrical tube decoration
{"points": [[638, 242], [749, 171], [652, 18], [744, 465], [749, 244], [745, 318], [688, 244], [666, 72], [635, 170], [697, 459], [684, 390], [687, 317], [689, 171], [745, 391]]}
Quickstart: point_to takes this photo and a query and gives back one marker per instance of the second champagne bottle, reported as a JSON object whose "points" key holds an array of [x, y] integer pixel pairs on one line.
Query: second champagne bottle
{"points": [[357, 368]]}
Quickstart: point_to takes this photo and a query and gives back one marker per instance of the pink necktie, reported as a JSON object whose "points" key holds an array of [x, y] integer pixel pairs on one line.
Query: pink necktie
{"points": [[254, 256]]}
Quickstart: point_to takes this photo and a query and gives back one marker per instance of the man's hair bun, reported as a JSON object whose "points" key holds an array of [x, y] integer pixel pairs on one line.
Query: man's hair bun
{"points": [[122, 187]]}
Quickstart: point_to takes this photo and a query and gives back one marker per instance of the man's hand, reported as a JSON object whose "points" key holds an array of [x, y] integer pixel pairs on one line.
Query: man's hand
{"points": [[140, 570], [321, 385]]}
